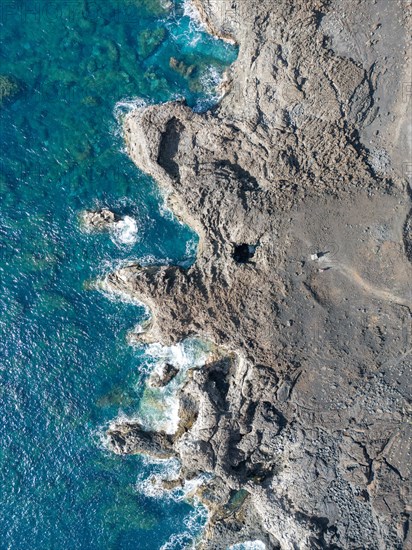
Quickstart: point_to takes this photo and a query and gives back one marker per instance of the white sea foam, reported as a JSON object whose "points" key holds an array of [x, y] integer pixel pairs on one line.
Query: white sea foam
{"points": [[194, 522], [125, 231], [249, 545], [159, 407], [126, 106], [190, 10], [164, 470], [191, 247], [191, 486], [165, 211], [211, 79], [167, 470], [193, 34]]}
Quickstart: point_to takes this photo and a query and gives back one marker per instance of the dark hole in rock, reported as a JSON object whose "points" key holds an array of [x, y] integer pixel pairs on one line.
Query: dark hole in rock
{"points": [[243, 253]]}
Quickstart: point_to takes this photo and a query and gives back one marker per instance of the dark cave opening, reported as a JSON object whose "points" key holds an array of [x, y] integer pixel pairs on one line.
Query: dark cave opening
{"points": [[243, 253]]}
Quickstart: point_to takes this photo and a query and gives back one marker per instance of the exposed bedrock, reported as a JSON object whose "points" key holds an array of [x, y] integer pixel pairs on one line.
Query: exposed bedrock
{"points": [[99, 220], [303, 277], [167, 373]]}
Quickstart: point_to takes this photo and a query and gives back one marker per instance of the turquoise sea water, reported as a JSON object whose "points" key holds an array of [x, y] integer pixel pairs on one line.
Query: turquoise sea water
{"points": [[65, 367]]}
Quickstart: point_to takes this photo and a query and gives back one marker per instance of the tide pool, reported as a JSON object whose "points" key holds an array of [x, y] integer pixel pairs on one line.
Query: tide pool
{"points": [[65, 368]]}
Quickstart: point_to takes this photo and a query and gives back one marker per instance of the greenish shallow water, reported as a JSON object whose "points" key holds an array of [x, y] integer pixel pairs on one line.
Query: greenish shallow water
{"points": [[65, 368]]}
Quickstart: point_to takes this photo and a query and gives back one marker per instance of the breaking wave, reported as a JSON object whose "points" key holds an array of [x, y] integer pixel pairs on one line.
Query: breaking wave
{"points": [[194, 522], [249, 545], [159, 407], [125, 231], [160, 484]]}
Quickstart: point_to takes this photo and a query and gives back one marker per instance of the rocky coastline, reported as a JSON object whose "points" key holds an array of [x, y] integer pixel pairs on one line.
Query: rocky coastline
{"points": [[299, 188]]}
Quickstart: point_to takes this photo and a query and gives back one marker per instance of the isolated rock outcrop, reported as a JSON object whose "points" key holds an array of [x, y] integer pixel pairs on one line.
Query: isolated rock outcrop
{"points": [[297, 188], [102, 219]]}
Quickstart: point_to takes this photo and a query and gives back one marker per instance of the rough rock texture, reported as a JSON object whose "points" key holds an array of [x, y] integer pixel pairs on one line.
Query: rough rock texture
{"points": [[129, 438], [168, 372], [99, 220], [305, 420]]}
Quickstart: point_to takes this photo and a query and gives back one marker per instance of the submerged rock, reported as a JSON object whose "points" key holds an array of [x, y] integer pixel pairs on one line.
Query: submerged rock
{"points": [[149, 40], [187, 71], [9, 88]]}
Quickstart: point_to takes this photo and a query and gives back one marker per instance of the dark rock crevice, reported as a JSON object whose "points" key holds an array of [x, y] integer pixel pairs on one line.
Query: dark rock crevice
{"points": [[407, 236], [169, 147]]}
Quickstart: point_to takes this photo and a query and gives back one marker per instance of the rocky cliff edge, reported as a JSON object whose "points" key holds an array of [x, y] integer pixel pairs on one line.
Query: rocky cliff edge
{"points": [[298, 184]]}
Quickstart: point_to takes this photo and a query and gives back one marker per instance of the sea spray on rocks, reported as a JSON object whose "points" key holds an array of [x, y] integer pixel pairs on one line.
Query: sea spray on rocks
{"points": [[249, 545], [165, 481], [159, 407], [123, 230]]}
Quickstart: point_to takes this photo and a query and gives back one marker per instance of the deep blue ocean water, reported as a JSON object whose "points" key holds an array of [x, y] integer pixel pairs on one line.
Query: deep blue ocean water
{"points": [[65, 367]]}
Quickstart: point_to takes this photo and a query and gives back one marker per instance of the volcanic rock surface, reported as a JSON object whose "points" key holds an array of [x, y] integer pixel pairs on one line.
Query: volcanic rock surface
{"points": [[99, 220], [298, 185], [164, 377]]}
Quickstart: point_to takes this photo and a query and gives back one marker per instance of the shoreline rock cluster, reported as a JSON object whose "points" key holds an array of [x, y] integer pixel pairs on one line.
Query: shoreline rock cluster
{"points": [[302, 278]]}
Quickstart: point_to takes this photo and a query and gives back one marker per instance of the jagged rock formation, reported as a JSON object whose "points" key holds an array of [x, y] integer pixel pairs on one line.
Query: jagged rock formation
{"points": [[162, 378], [130, 438], [99, 220], [305, 420]]}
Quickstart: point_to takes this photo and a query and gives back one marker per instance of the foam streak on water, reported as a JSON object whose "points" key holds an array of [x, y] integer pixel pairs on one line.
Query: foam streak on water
{"points": [[126, 106], [187, 539]]}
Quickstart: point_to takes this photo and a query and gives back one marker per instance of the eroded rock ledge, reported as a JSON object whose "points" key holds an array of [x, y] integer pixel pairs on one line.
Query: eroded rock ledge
{"points": [[297, 188]]}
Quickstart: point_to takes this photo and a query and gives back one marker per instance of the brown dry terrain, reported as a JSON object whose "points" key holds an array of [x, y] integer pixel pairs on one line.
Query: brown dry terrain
{"points": [[298, 184]]}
